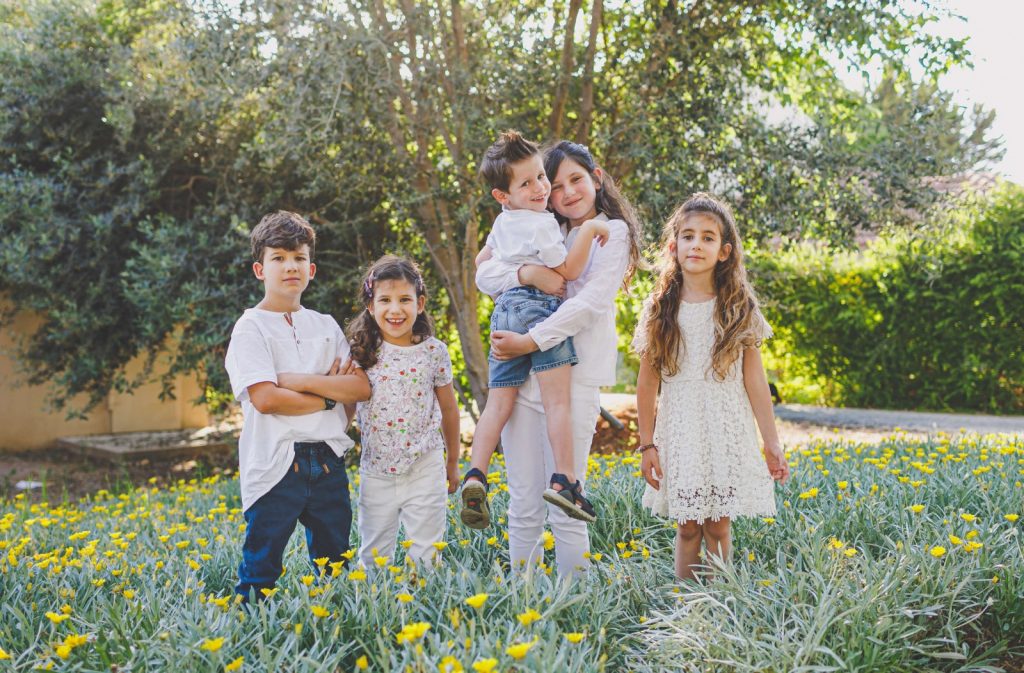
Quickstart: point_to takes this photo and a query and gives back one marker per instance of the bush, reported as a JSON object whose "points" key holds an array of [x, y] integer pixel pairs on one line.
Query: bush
{"points": [[930, 320]]}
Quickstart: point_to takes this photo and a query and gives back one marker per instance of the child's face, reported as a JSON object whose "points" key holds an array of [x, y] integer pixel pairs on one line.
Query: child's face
{"points": [[285, 273], [394, 308], [698, 246], [573, 192], [529, 187]]}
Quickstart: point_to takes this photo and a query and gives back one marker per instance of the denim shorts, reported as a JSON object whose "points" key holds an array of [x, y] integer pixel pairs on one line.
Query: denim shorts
{"points": [[517, 310]]}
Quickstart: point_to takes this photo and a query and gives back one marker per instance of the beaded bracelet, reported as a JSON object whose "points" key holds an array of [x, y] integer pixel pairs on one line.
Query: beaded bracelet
{"points": [[644, 447]]}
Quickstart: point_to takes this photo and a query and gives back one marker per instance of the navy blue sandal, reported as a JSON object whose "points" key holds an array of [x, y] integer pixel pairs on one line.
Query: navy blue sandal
{"points": [[569, 499], [475, 511]]}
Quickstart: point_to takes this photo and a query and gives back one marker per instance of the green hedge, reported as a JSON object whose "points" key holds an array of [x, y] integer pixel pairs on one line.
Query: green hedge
{"points": [[929, 320]]}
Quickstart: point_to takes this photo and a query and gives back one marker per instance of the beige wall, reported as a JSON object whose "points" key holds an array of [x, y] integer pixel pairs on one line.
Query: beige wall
{"points": [[26, 422]]}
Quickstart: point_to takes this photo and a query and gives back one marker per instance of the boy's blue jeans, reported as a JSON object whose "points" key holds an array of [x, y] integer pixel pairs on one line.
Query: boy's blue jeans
{"points": [[314, 492], [517, 310]]}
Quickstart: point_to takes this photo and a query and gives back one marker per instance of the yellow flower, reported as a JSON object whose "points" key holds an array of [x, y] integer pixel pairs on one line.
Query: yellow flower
{"points": [[528, 617], [842, 485], [769, 520], [319, 611], [485, 665], [574, 637], [477, 600], [1011, 517], [307, 579], [519, 650], [493, 540], [937, 551], [403, 598], [851, 552], [268, 592], [411, 632], [953, 539], [916, 509], [968, 517], [836, 544], [63, 651], [55, 618], [357, 575], [549, 540], [212, 645], [321, 562], [362, 663], [809, 493], [3, 654], [235, 665], [349, 554], [449, 665], [439, 546]]}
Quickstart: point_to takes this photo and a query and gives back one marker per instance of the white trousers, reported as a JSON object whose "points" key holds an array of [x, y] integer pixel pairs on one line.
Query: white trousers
{"points": [[530, 462], [417, 499]]}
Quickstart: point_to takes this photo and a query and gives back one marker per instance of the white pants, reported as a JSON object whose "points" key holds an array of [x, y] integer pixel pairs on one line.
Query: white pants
{"points": [[418, 499], [530, 462]]}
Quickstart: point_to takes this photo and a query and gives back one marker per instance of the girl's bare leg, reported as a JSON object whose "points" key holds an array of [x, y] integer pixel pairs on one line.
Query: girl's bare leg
{"points": [[718, 538], [688, 537], [555, 395]]}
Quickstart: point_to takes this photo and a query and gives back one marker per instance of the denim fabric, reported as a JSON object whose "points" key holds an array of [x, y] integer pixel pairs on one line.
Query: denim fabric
{"points": [[517, 310], [314, 493]]}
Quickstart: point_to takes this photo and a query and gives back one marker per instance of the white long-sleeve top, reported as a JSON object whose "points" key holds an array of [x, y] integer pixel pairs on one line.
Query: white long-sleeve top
{"points": [[588, 313]]}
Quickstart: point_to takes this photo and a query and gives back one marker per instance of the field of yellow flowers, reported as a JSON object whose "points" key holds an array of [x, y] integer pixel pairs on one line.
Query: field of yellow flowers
{"points": [[898, 556]]}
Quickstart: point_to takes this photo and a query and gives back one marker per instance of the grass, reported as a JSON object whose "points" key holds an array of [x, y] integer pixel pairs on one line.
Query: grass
{"points": [[900, 556]]}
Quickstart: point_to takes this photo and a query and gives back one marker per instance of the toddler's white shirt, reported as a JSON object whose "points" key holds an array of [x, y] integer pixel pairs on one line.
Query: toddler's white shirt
{"points": [[263, 345], [527, 237], [588, 313]]}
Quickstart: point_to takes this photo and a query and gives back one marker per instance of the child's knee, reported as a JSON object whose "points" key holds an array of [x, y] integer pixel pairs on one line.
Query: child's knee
{"points": [[717, 528], [688, 530]]}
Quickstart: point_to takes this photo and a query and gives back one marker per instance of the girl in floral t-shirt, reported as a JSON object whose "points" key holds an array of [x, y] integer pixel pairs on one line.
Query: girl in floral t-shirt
{"points": [[411, 421]]}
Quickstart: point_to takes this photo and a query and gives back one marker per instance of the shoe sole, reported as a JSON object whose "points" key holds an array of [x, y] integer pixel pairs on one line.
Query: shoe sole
{"points": [[571, 510], [474, 490]]}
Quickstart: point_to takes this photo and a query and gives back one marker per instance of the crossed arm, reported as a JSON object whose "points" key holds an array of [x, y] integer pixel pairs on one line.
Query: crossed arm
{"points": [[300, 394]]}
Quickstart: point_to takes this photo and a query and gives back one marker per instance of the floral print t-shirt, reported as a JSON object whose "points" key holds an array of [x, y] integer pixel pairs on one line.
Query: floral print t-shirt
{"points": [[402, 419]]}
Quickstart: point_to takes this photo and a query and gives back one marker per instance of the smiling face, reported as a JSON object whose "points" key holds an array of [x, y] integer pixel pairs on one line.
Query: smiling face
{"points": [[285, 275], [528, 189], [698, 244], [574, 192], [394, 309]]}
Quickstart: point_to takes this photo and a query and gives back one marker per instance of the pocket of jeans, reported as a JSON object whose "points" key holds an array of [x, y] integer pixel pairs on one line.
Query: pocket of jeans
{"points": [[528, 314]]}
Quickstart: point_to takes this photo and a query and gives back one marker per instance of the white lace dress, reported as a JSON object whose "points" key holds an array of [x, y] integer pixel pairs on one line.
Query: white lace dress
{"points": [[707, 439]]}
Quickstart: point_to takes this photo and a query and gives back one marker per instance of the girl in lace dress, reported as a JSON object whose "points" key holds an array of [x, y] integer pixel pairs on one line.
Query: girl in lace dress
{"points": [[698, 339], [410, 425]]}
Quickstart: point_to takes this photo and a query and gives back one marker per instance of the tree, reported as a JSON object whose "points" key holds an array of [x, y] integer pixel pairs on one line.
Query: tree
{"points": [[136, 133]]}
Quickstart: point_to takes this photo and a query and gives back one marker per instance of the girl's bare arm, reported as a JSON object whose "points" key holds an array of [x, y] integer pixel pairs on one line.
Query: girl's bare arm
{"points": [[450, 431], [756, 384], [648, 382]]}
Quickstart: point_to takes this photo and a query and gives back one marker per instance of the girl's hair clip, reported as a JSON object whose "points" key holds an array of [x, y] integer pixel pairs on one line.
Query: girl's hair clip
{"points": [[368, 288]]}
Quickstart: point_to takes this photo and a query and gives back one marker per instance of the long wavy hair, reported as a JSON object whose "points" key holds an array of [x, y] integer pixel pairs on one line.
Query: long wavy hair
{"points": [[737, 325], [609, 201], [364, 335]]}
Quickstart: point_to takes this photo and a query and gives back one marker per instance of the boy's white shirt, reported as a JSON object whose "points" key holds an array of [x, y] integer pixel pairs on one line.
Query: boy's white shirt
{"points": [[263, 344], [524, 236], [588, 313]]}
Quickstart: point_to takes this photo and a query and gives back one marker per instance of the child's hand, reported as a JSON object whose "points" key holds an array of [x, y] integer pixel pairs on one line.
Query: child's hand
{"points": [[598, 229], [650, 467], [452, 474], [335, 367], [778, 466], [347, 368]]}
